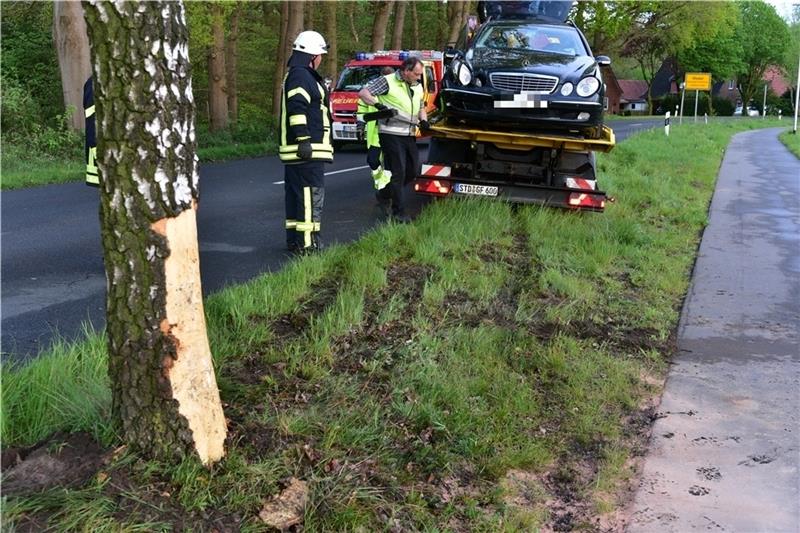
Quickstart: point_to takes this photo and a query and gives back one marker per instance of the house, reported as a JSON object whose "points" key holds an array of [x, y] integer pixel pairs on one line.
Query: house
{"points": [[773, 77], [665, 81], [613, 91], [634, 96]]}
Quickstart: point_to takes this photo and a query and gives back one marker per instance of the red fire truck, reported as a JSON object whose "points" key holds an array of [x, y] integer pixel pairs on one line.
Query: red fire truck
{"points": [[366, 66]]}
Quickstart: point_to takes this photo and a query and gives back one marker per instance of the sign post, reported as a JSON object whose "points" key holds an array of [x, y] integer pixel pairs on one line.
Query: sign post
{"points": [[683, 93], [697, 81]]}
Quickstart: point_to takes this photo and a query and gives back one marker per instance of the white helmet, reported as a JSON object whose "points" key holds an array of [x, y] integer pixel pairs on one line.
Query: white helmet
{"points": [[310, 42]]}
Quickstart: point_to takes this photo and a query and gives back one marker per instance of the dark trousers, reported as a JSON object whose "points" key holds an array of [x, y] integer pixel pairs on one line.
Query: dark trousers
{"points": [[305, 194], [401, 157]]}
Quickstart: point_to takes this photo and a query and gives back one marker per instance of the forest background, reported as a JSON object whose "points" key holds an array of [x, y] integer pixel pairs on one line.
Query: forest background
{"points": [[239, 49]]}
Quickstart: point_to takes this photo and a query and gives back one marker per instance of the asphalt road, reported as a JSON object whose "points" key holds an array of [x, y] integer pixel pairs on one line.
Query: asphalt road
{"points": [[52, 268]]}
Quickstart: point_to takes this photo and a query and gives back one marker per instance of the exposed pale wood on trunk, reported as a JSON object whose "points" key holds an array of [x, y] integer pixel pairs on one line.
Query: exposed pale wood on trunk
{"points": [[164, 393], [217, 89], [72, 47], [399, 23]]}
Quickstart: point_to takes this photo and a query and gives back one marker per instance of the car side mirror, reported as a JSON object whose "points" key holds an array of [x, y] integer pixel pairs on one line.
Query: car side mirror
{"points": [[603, 61]]}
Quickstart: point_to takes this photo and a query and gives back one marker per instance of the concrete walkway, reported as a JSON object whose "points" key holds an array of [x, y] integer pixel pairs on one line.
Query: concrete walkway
{"points": [[725, 454]]}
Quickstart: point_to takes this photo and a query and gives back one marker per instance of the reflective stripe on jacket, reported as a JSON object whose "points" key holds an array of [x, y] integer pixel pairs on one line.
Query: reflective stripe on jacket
{"points": [[407, 100], [91, 139], [305, 116]]}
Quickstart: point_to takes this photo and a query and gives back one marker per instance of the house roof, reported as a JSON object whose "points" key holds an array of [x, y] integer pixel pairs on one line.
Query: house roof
{"points": [[611, 78], [633, 90], [776, 81]]}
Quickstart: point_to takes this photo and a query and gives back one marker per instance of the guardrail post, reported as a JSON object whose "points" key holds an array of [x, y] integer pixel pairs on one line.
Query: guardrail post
{"points": [[705, 117], [666, 123]]}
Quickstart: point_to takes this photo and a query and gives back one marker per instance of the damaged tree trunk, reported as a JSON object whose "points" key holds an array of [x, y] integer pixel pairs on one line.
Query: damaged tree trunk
{"points": [[164, 392]]}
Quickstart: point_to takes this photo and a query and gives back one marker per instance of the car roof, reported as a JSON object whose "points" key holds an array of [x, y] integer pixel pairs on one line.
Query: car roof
{"points": [[544, 10]]}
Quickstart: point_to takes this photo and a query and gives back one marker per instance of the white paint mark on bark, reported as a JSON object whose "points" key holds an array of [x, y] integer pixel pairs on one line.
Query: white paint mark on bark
{"points": [[151, 253]]}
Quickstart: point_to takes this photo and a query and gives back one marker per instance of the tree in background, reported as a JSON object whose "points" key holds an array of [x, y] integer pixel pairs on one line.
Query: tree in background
{"points": [[164, 392], [399, 24], [217, 86], [383, 9], [231, 63], [765, 38], [330, 65], [72, 49], [792, 55]]}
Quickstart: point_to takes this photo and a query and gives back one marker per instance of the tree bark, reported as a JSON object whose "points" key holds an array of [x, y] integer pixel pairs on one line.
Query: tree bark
{"points": [[164, 392], [231, 50], [415, 19], [331, 29], [308, 17], [217, 89], [72, 46], [399, 23], [294, 25], [457, 16], [384, 8], [351, 9]]}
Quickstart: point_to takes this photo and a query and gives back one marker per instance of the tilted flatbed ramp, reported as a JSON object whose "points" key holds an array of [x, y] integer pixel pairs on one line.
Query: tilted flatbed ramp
{"points": [[526, 140]]}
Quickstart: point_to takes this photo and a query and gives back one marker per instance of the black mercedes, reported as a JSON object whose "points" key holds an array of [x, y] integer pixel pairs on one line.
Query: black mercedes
{"points": [[525, 69]]}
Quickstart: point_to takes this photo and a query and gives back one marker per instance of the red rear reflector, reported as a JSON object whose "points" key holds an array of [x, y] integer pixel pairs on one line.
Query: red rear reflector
{"points": [[438, 187], [579, 199]]}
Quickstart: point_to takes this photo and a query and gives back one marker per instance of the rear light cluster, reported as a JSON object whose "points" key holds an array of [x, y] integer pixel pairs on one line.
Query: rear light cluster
{"points": [[436, 187], [580, 199]]}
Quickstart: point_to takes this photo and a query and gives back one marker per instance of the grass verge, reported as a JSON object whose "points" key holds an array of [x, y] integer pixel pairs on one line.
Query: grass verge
{"points": [[792, 141], [487, 368]]}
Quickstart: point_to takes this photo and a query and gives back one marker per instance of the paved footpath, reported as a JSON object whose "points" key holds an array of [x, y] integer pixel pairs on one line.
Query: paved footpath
{"points": [[725, 455]]}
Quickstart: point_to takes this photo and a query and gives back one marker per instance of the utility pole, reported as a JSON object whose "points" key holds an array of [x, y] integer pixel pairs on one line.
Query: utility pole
{"points": [[796, 96], [683, 93], [764, 104]]}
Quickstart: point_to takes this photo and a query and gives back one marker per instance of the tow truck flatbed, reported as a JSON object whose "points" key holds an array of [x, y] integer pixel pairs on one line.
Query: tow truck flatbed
{"points": [[522, 167]]}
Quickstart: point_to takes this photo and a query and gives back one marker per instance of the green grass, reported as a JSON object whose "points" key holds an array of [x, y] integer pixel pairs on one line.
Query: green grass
{"points": [[454, 374], [792, 141], [23, 167]]}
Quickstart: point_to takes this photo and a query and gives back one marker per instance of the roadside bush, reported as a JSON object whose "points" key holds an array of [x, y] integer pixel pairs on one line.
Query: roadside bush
{"points": [[20, 111], [723, 107]]}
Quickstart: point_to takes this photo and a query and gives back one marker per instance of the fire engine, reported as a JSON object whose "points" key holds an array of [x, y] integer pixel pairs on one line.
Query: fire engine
{"points": [[366, 66]]}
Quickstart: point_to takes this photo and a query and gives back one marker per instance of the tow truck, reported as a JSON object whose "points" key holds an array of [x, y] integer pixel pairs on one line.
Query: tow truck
{"points": [[552, 169], [367, 65]]}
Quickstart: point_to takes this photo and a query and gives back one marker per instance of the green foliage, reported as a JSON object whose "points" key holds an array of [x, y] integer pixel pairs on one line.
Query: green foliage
{"points": [[765, 38], [29, 60]]}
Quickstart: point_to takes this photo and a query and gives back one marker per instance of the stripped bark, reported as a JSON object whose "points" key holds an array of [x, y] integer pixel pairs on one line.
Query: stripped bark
{"points": [[164, 392]]}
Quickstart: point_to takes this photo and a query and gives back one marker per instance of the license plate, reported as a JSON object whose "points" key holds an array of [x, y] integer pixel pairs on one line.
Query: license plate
{"points": [[479, 190], [344, 131]]}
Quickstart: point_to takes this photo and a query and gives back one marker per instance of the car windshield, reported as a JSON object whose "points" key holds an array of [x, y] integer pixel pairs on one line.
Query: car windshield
{"points": [[532, 37], [354, 78]]}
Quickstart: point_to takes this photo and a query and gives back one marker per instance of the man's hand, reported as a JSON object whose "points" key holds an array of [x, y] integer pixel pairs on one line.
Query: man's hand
{"points": [[379, 106], [304, 150], [424, 125]]}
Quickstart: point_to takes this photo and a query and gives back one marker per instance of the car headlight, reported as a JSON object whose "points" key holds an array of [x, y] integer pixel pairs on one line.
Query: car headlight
{"points": [[587, 86], [566, 89], [461, 72]]}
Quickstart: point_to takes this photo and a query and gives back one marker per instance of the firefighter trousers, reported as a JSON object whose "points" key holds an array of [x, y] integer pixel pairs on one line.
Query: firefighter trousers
{"points": [[401, 157], [305, 194]]}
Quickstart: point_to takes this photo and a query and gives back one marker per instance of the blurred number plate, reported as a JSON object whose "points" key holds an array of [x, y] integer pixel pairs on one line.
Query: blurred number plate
{"points": [[480, 190]]}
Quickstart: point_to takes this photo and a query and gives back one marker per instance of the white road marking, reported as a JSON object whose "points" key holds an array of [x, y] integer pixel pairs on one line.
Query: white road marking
{"points": [[331, 173], [346, 170]]}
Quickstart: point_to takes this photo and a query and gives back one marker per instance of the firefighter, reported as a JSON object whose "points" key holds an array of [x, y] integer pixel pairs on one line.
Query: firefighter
{"points": [[305, 142], [90, 147], [400, 91], [380, 176]]}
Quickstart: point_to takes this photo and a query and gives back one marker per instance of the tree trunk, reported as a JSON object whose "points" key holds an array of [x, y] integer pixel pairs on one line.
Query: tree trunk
{"points": [[351, 9], [441, 24], [384, 8], [331, 28], [399, 22], [294, 25], [72, 47], [231, 64], [459, 9], [415, 20], [280, 61], [217, 90], [308, 17], [164, 392]]}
